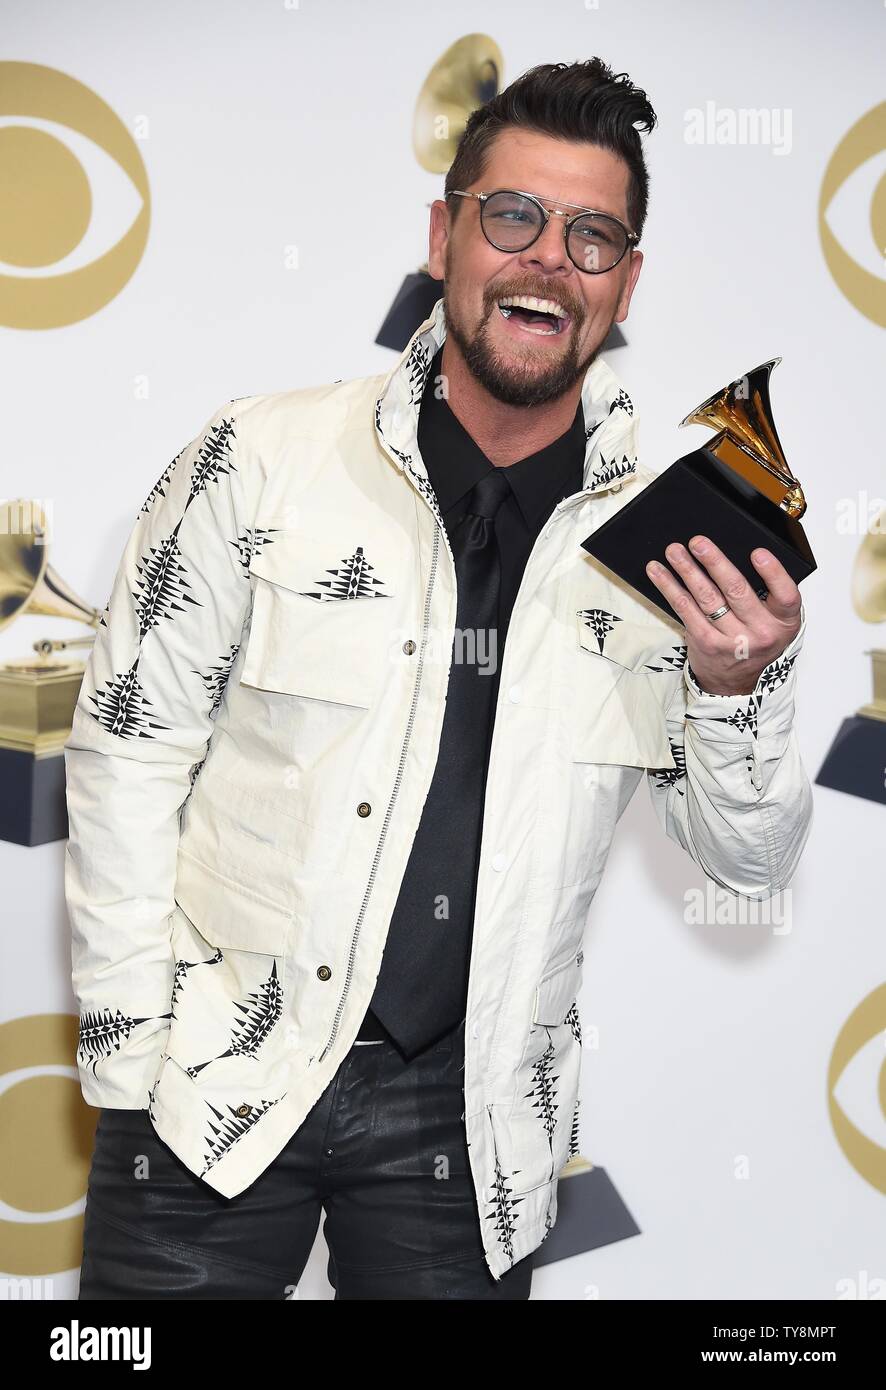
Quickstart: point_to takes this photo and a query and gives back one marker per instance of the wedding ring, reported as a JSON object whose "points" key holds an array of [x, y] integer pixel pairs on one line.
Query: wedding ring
{"points": [[719, 612]]}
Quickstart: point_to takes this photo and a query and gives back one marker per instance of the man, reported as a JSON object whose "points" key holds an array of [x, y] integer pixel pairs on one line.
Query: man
{"points": [[333, 840]]}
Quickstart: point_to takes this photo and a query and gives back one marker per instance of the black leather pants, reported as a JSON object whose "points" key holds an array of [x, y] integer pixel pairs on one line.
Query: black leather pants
{"points": [[383, 1152]]}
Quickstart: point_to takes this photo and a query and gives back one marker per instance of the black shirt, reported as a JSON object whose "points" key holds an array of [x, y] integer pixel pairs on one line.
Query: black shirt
{"points": [[455, 463]]}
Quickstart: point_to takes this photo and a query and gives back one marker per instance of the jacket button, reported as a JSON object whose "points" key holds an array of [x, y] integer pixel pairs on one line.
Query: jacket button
{"points": [[364, 808], [324, 972], [243, 1110], [409, 647]]}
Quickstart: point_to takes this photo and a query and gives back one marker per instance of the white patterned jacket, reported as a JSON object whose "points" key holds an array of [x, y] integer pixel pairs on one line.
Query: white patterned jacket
{"points": [[254, 740]]}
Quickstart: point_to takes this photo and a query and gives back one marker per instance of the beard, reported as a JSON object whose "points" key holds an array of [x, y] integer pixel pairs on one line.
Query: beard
{"points": [[508, 381]]}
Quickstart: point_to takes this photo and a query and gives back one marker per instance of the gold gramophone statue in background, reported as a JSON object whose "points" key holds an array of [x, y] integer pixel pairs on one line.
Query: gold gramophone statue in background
{"points": [[466, 76], [738, 490], [856, 760], [37, 694]]}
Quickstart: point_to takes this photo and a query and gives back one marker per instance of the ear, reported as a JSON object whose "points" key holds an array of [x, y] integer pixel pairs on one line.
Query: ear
{"points": [[438, 238], [628, 288]]}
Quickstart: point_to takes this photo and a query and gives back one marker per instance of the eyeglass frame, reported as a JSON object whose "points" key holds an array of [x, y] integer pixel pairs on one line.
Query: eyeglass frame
{"points": [[632, 237]]}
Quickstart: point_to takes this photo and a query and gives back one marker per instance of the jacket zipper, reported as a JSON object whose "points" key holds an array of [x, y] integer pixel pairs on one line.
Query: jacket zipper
{"points": [[393, 798], [567, 501]]}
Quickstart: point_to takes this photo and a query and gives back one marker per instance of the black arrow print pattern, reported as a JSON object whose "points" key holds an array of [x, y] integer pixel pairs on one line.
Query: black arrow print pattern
{"points": [[181, 970], [354, 578], [774, 675], [544, 1095], [253, 540], [123, 708], [669, 662], [744, 718], [164, 591], [503, 1211], [215, 679], [665, 777], [600, 622], [261, 1012], [610, 470], [228, 1129], [162, 585], [574, 1144], [101, 1033]]}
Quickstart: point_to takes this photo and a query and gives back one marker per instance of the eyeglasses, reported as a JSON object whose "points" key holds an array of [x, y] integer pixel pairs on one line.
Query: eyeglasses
{"points": [[512, 220]]}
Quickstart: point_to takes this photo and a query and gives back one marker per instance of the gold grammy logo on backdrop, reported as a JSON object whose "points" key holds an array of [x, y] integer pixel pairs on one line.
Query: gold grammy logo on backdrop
{"points": [[862, 143], [48, 1135], [46, 198], [865, 1024]]}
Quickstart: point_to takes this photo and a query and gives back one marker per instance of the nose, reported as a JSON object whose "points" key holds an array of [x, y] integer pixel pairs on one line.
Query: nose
{"points": [[548, 252]]}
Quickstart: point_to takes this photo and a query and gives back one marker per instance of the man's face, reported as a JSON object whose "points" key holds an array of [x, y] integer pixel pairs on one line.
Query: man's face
{"points": [[513, 360]]}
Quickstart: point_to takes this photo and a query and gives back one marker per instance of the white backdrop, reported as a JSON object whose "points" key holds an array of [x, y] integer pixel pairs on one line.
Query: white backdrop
{"points": [[262, 129]]}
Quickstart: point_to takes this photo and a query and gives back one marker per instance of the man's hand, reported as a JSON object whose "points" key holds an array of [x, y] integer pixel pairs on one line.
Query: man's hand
{"points": [[727, 656]]}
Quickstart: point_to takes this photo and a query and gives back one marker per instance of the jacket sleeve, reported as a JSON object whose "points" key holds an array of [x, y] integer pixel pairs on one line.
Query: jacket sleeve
{"points": [[739, 800], [153, 683]]}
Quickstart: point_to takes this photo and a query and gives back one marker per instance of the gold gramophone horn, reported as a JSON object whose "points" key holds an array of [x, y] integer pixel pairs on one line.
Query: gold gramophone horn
{"points": [[869, 574], [749, 443], [28, 583], [465, 77]]}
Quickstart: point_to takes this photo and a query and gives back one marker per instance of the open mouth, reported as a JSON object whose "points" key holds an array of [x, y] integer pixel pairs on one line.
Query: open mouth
{"points": [[542, 317]]}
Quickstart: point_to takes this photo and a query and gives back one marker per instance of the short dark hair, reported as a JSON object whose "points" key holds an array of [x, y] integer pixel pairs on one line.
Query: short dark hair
{"points": [[571, 101]]}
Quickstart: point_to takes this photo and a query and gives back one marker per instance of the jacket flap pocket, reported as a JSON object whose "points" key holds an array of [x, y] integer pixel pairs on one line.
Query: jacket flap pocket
{"points": [[324, 623], [340, 566], [618, 708], [625, 641], [557, 992], [226, 913]]}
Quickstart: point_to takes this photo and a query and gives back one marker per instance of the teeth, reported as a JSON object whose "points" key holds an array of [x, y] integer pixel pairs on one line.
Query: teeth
{"points": [[540, 306]]}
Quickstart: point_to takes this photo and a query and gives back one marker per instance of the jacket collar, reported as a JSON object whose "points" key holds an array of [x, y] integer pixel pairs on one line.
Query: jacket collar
{"points": [[610, 421]]}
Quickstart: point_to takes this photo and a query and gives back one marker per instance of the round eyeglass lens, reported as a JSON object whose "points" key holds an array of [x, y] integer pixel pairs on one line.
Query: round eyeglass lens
{"points": [[512, 222], [597, 242]]}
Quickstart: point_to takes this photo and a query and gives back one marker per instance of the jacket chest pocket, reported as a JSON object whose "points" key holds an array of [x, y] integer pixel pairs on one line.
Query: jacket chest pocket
{"points": [[617, 712], [325, 618]]}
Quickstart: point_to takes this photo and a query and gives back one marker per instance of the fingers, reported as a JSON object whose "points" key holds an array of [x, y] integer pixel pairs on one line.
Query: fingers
{"points": [[719, 576], [695, 621], [703, 588], [785, 600]]}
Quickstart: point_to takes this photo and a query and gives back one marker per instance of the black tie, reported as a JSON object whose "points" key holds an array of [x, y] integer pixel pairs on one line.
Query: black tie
{"points": [[421, 991]]}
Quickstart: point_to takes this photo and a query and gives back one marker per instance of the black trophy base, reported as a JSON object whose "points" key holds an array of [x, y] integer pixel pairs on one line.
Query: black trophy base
{"points": [[856, 760], [33, 809], [413, 303], [698, 495], [590, 1213]]}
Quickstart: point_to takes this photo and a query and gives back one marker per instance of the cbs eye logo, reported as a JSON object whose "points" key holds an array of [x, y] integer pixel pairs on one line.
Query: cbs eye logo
{"points": [[857, 1088], [848, 199], [47, 1135], [71, 181]]}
